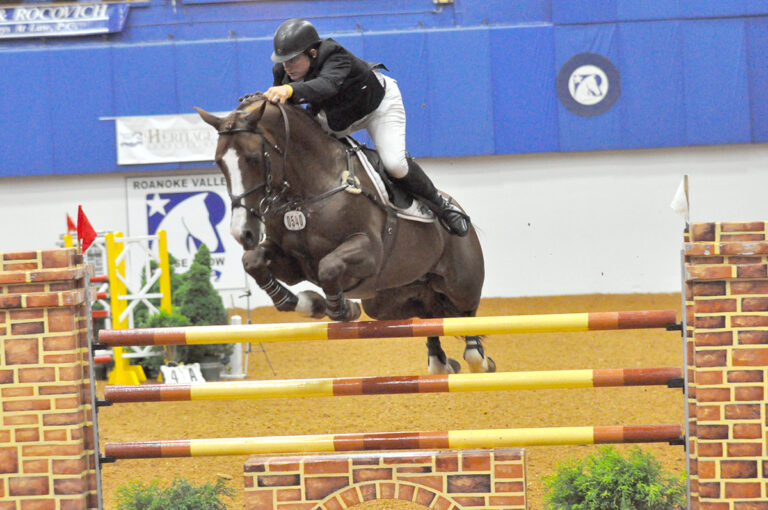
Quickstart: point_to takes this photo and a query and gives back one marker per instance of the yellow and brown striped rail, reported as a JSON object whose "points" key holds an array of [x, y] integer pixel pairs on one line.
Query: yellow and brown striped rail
{"points": [[391, 329], [455, 439], [344, 386]]}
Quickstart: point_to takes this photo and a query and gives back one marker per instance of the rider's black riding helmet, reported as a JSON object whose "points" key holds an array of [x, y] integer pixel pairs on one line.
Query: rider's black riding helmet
{"points": [[293, 37]]}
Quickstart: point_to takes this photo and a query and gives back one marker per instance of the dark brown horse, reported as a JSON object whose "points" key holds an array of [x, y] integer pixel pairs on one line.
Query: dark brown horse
{"points": [[304, 209]]}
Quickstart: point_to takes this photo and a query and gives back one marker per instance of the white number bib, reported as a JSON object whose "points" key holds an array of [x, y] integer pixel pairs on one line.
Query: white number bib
{"points": [[294, 220]]}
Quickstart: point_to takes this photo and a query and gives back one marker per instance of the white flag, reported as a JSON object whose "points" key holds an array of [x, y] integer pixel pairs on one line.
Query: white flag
{"points": [[680, 202]]}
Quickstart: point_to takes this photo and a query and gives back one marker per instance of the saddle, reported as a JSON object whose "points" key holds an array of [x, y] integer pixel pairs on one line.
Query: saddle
{"points": [[391, 194]]}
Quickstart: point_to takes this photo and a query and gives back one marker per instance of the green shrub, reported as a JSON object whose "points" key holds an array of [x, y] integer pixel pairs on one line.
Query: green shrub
{"points": [[607, 481], [180, 495], [200, 302]]}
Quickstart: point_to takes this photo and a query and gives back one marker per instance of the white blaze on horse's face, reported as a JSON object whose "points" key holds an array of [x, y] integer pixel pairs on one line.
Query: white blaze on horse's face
{"points": [[239, 214]]}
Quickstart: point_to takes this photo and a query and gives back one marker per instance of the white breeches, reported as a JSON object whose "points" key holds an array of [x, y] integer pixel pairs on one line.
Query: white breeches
{"points": [[386, 126]]}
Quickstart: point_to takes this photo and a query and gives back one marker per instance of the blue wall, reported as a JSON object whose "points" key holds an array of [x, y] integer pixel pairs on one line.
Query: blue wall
{"points": [[478, 77]]}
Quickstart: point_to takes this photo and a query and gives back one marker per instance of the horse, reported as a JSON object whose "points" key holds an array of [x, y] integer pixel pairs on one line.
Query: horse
{"points": [[304, 209]]}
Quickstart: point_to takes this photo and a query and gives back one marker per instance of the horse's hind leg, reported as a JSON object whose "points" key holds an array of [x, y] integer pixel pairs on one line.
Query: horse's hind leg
{"points": [[437, 361], [474, 355]]}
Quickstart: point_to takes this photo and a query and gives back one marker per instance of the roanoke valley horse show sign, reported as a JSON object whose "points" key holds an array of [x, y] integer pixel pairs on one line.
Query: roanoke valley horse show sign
{"points": [[193, 209]]}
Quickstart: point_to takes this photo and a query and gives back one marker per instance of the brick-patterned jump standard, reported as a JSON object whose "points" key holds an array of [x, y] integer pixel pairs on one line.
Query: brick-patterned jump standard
{"points": [[47, 457], [727, 308]]}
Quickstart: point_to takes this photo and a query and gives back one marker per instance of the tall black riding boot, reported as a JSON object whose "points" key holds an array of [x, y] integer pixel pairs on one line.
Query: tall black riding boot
{"points": [[451, 217]]}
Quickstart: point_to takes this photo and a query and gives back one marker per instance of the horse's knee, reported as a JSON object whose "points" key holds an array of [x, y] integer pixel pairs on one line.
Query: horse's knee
{"points": [[254, 261], [329, 270], [396, 164]]}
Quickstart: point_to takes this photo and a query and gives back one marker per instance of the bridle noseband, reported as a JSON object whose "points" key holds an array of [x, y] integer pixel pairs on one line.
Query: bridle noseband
{"points": [[269, 197]]}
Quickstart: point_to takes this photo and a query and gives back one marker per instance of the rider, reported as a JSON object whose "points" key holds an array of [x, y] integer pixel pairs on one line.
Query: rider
{"points": [[348, 94]]}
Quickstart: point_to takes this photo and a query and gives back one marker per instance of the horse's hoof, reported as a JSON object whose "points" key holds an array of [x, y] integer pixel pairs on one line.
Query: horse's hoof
{"points": [[355, 311], [311, 304], [437, 367], [477, 362], [350, 312]]}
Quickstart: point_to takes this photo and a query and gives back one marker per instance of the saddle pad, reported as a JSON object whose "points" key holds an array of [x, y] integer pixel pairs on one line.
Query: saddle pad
{"points": [[417, 211]]}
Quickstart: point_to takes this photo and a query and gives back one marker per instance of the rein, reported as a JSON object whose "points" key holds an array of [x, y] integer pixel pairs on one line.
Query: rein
{"points": [[267, 203]]}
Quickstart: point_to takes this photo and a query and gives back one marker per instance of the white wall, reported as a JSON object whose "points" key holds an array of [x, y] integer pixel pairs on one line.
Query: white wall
{"points": [[550, 224]]}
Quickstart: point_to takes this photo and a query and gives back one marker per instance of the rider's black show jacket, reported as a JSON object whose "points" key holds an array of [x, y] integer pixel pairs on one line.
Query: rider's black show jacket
{"points": [[337, 82]]}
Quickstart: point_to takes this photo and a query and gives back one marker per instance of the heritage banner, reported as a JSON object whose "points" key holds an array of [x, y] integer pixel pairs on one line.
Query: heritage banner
{"points": [[164, 139], [62, 19]]}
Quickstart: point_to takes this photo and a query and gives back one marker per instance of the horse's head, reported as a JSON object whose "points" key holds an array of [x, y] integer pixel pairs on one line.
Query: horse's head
{"points": [[243, 154]]}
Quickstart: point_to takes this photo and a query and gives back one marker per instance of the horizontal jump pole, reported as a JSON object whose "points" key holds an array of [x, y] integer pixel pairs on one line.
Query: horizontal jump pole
{"points": [[454, 439], [568, 322], [346, 386]]}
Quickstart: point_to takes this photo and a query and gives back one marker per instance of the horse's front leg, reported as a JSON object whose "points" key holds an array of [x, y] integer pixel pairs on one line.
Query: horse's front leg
{"points": [[260, 264], [353, 260]]}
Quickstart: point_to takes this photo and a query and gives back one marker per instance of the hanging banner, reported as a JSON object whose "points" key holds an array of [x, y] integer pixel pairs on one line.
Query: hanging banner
{"points": [[164, 139], [193, 209], [61, 20]]}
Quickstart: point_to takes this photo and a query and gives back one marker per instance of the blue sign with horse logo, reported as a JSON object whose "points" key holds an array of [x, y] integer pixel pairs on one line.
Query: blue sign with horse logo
{"points": [[588, 84], [192, 210], [190, 219]]}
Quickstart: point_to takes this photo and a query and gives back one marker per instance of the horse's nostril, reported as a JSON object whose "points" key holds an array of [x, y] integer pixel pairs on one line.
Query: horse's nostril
{"points": [[249, 238]]}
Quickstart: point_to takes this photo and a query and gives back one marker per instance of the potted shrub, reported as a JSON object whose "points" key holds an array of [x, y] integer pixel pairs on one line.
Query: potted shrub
{"points": [[202, 305]]}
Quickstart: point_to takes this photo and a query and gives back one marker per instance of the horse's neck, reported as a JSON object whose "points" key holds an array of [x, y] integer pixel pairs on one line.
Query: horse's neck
{"points": [[313, 157]]}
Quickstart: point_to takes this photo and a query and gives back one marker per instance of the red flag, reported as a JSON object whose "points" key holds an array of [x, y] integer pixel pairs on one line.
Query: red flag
{"points": [[71, 227], [85, 232]]}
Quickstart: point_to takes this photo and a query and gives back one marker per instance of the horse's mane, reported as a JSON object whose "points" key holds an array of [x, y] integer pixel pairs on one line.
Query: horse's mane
{"points": [[247, 100]]}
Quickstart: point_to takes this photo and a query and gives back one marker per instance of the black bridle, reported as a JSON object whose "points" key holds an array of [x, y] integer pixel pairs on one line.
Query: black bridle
{"points": [[274, 194], [269, 197]]}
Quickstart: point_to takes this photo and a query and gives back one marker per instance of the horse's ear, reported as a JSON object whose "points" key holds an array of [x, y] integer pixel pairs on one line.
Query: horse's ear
{"points": [[254, 116], [209, 118]]}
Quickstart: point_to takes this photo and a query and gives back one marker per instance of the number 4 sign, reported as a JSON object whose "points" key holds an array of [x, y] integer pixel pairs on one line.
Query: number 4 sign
{"points": [[182, 374]]}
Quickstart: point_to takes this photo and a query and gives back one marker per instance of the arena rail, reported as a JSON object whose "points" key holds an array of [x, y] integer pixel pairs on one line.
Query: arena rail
{"points": [[512, 324], [453, 439], [346, 386]]}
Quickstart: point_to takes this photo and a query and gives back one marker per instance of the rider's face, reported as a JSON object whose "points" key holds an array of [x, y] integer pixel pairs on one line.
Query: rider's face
{"points": [[298, 67]]}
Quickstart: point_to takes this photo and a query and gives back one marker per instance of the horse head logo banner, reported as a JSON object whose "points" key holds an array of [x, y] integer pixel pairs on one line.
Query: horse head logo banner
{"points": [[189, 219], [588, 84], [192, 210]]}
